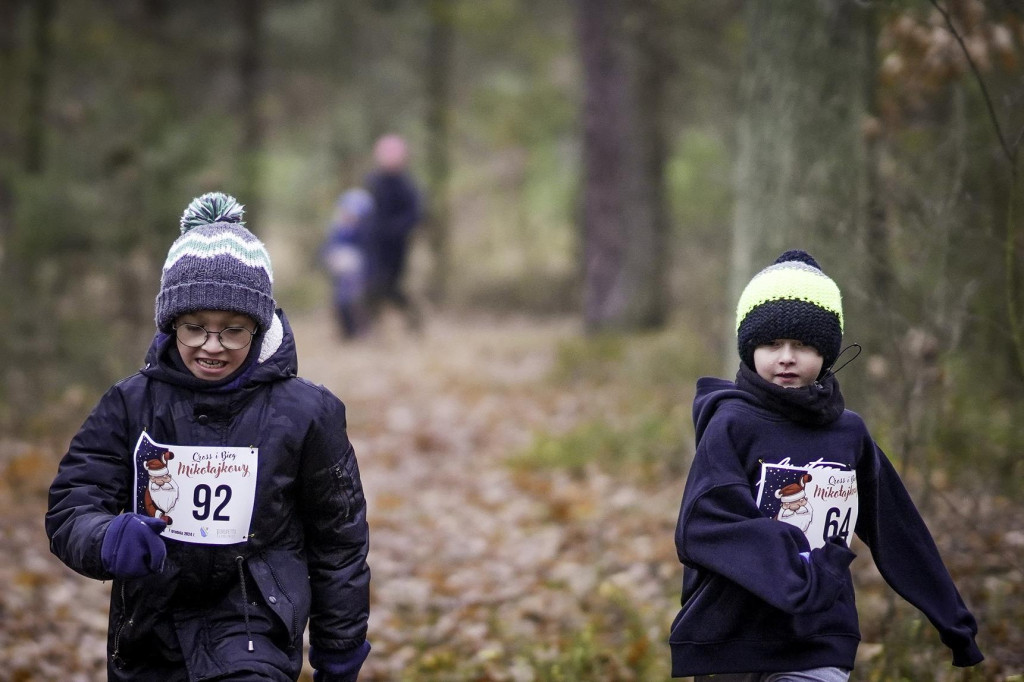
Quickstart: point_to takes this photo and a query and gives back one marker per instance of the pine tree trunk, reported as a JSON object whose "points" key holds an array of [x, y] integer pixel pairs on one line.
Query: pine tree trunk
{"points": [[439, 69], [250, 76], [8, 121], [43, 12], [800, 168], [877, 242], [623, 230], [650, 41]]}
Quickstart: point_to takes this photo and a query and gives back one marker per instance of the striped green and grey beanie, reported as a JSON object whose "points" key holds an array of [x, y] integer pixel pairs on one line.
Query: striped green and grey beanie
{"points": [[790, 299], [216, 264]]}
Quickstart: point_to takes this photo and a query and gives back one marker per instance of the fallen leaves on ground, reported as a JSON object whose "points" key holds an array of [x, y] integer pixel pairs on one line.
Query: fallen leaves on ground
{"points": [[483, 568]]}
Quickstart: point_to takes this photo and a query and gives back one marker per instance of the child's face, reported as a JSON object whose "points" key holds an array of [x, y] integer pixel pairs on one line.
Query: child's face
{"points": [[788, 363], [212, 361]]}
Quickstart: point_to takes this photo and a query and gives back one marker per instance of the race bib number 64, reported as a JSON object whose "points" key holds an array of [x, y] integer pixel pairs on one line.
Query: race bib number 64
{"points": [[820, 499], [204, 493]]}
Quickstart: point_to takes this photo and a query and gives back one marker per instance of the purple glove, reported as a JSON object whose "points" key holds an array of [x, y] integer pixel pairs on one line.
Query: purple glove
{"points": [[338, 666], [132, 546]]}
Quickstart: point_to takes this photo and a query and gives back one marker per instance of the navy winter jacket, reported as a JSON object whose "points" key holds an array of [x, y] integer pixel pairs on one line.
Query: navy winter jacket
{"points": [[763, 535], [396, 205], [304, 559]]}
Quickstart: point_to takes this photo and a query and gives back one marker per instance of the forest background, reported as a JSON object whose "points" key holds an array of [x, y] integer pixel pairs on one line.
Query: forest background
{"points": [[602, 177]]}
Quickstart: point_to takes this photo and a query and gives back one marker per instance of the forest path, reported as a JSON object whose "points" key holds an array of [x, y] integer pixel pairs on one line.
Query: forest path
{"points": [[480, 570], [478, 566]]}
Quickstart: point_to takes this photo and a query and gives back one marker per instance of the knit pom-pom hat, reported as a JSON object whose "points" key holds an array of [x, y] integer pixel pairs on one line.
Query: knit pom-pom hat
{"points": [[216, 264], [790, 299]]}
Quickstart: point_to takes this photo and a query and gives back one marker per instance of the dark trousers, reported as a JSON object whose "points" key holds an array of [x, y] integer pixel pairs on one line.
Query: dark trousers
{"points": [[392, 255]]}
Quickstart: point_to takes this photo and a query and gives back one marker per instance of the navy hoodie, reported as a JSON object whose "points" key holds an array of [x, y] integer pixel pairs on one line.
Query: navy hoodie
{"points": [[779, 480]]}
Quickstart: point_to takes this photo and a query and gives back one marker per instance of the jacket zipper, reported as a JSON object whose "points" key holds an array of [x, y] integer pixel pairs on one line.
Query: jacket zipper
{"points": [[120, 626], [346, 484]]}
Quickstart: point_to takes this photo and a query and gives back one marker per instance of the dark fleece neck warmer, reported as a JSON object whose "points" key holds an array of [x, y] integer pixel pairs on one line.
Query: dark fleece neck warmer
{"points": [[818, 404]]}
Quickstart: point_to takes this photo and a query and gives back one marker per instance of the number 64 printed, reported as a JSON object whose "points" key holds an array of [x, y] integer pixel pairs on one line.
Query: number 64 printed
{"points": [[835, 528]]}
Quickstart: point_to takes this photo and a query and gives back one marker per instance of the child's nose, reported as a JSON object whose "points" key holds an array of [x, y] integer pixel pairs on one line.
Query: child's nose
{"points": [[213, 343]]}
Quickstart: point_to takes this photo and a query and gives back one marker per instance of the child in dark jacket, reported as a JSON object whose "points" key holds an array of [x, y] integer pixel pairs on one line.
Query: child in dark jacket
{"points": [[217, 489], [782, 475]]}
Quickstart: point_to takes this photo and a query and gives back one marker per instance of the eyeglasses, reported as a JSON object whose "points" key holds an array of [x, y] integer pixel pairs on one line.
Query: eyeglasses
{"points": [[231, 338]]}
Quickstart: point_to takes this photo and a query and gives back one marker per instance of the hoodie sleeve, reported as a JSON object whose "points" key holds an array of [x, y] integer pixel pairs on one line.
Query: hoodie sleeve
{"points": [[721, 530], [906, 555], [93, 484], [337, 535]]}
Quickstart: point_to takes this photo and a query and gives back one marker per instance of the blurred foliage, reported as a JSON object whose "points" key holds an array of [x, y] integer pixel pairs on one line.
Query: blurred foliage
{"points": [[614, 645], [642, 429], [648, 446]]}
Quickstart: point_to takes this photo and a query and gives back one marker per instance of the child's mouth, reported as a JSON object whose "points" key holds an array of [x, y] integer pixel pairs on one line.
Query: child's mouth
{"points": [[210, 364]]}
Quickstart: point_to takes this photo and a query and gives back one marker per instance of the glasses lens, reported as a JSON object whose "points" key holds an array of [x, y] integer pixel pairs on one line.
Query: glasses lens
{"points": [[235, 338], [192, 335]]}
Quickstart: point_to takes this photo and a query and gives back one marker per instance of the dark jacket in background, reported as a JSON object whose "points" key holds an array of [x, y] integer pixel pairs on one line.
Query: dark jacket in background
{"points": [[305, 559], [396, 203], [397, 211]]}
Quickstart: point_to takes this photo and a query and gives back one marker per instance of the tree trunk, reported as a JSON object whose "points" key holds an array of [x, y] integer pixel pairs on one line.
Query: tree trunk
{"points": [[653, 64], [878, 271], [623, 236], [799, 172], [250, 76], [439, 69], [345, 71], [43, 12], [8, 122]]}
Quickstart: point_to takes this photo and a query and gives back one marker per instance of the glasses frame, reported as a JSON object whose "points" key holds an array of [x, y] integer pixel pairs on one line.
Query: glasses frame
{"points": [[206, 338]]}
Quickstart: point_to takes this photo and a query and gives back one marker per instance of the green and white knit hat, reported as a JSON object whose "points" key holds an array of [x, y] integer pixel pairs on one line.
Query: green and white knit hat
{"points": [[791, 299], [216, 264]]}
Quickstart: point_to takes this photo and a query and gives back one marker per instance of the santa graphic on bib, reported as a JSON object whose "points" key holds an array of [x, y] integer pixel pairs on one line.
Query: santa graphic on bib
{"points": [[161, 491], [796, 509]]}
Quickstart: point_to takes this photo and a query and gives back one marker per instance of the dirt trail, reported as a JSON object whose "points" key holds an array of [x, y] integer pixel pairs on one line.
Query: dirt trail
{"points": [[472, 562]]}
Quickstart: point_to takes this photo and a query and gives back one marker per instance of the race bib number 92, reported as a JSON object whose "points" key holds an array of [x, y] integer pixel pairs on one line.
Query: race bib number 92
{"points": [[204, 493]]}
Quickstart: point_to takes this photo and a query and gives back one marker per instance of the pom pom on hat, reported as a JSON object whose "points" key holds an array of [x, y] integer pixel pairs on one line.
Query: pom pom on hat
{"points": [[790, 299], [212, 207], [216, 264], [799, 257]]}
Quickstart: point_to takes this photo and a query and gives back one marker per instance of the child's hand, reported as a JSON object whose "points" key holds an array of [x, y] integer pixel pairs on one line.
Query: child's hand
{"points": [[338, 666], [132, 546]]}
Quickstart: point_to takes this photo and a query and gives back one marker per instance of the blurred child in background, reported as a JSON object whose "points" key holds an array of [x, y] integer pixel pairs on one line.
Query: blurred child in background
{"points": [[398, 209], [347, 259]]}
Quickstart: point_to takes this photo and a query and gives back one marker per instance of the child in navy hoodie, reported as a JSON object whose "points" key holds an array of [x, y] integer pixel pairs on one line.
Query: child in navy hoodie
{"points": [[783, 474]]}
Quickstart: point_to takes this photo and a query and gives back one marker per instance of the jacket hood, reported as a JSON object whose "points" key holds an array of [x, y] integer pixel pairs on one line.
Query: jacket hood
{"points": [[274, 359], [711, 391]]}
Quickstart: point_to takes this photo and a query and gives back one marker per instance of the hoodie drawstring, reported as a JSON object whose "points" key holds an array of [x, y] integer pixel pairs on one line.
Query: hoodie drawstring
{"points": [[245, 598], [855, 347]]}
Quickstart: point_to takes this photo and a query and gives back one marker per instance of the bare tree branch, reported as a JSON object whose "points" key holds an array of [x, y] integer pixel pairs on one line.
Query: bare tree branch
{"points": [[1010, 246], [1009, 151]]}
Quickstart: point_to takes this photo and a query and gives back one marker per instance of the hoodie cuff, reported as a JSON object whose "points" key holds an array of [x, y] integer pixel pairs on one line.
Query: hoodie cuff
{"points": [[967, 656]]}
